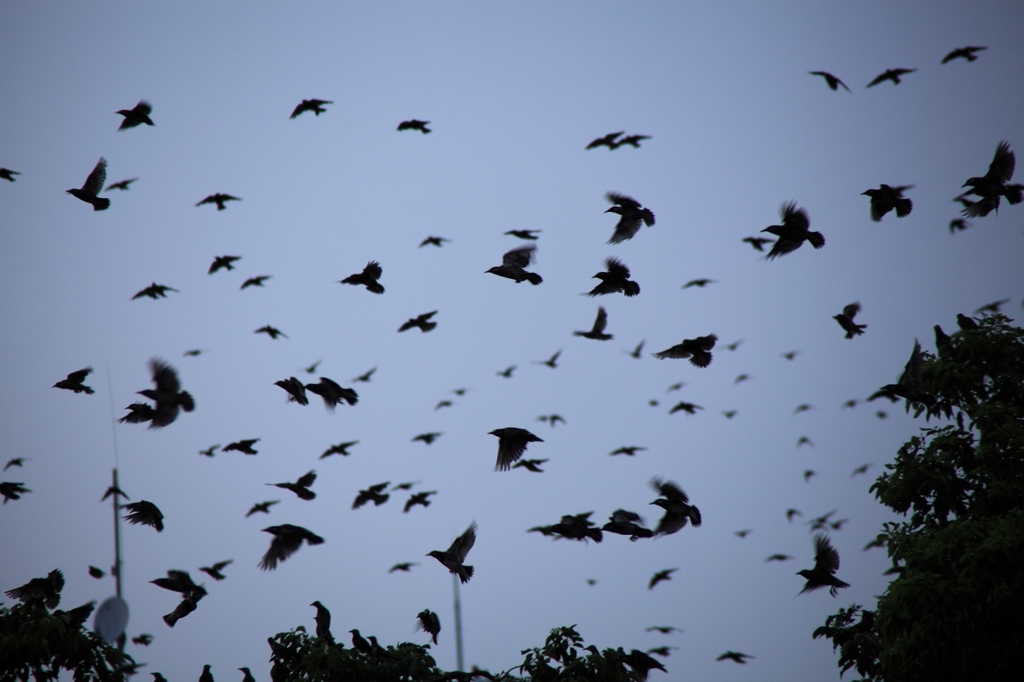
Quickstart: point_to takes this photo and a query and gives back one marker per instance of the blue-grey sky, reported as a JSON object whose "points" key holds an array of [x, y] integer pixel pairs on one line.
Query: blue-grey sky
{"points": [[514, 92]]}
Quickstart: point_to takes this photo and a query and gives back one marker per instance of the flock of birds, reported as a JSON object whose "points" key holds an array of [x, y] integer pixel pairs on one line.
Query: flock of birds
{"points": [[167, 399]]}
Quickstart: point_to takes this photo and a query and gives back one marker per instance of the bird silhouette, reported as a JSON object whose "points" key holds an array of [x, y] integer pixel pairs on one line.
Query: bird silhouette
{"points": [[154, 291], [375, 493], [631, 216], [11, 490], [845, 320], [332, 393], [44, 591], [323, 622], [683, 406], [168, 396], [793, 231], [339, 449], [8, 174], [551, 362], [314, 105], [136, 116], [121, 184], [635, 353], [623, 522], [429, 623], [757, 242], [826, 563], [421, 498], [513, 265], [791, 354], [992, 186], [678, 510], [524, 234], [272, 332], [414, 124], [832, 81], [734, 656], [14, 462], [530, 465], [572, 527], [206, 675], [360, 644], [144, 513], [427, 438], [186, 606], [631, 140], [434, 241], [615, 279], [301, 486], [403, 567], [311, 369], [893, 75], [597, 331], [698, 350], [422, 321], [862, 469], [287, 540], [605, 140], [219, 199], [803, 407], [143, 640], [992, 307], [658, 577], [179, 581], [296, 390], [507, 372], [778, 557], [663, 629], [368, 278], [455, 556], [629, 450], [909, 384], [512, 442], [551, 419], [215, 570], [364, 377], [246, 675], [243, 446], [73, 382], [255, 281], [886, 198], [703, 282], [89, 191], [261, 507], [968, 53], [641, 663], [222, 262]]}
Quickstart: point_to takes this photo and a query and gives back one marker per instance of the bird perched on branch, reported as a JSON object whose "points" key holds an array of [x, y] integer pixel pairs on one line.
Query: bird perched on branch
{"points": [[832, 81], [597, 331], [287, 540], [631, 216], [845, 320], [991, 186], [332, 393], [512, 442], [219, 199], [513, 264], [826, 563], [615, 279], [698, 350], [136, 116], [323, 622], [454, 557], [145, 513], [368, 278], [414, 124], [886, 198], [793, 231], [73, 382], [89, 191], [314, 105], [678, 510]]}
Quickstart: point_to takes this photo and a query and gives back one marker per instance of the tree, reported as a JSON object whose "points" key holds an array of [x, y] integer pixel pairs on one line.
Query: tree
{"points": [[955, 610]]}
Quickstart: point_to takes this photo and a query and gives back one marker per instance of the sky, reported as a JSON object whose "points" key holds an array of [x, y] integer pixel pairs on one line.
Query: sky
{"points": [[514, 92]]}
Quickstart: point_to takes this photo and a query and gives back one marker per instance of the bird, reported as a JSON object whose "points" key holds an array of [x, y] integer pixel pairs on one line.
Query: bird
{"points": [[890, 75], [272, 332], [965, 323], [332, 393], [323, 622], [630, 450], [635, 353], [792, 232], [663, 629], [862, 469], [8, 174], [427, 438], [422, 321], [757, 242], [136, 116], [219, 199], [179, 581], [296, 390], [11, 490], [734, 345], [243, 446], [615, 279], [121, 184], [339, 449], [734, 656], [524, 234], [683, 406], [631, 216], [678, 510], [790, 513], [301, 486], [741, 378], [186, 606], [803, 407], [968, 53], [909, 384], [429, 623], [743, 533], [89, 192], [455, 556], [597, 331], [360, 644], [154, 291], [287, 540], [513, 265], [551, 419], [507, 372], [374, 493], [314, 105], [256, 281], [530, 465], [434, 241], [14, 462], [414, 124], [778, 557], [215, 570], [992, 307], [143, 640], [45, 591], [572, 527], [821, 522], [886, 198], [225, 262], [368, 278], [206, 675], [992, 186], [113, 490], [845, 320], [605, 141], [729, 414], [261, 507], [703, 282], [808, 473], [804, 440], [623, 522], [660, 576], [826, 563], [632, 140], [167, 394], [512, 442], [73, 382], [791, 354], [145, 513], [403, 567], [246, 675], [832, 81], [641, 663], [420, 498], [698, 350], [443, 403], [364, 377], [552, 361]]}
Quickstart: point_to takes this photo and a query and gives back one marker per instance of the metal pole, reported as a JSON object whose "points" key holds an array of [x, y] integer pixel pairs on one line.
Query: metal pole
{"points": [[117, 538], [458, 625]]}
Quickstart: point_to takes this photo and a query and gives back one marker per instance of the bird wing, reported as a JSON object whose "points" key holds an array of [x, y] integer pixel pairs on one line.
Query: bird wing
{"points": [[519, 257], [460, 548], [164, 376], [622, 200], [1002, 165], [617, 268], [98, 176], [826, 558], [601, 321]]}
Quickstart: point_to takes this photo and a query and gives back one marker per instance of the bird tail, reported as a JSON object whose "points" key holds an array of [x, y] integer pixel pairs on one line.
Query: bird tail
{"points": [[903, 207], [466, 573], [100, 204], [534, 278], [1014, 194]]}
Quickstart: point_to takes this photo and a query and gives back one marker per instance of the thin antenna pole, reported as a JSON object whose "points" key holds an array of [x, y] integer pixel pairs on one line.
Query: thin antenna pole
{"points": [[117, 489], [458, 624]]}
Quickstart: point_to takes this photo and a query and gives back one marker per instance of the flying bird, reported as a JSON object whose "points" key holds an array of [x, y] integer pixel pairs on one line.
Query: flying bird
{"points": [[179, 581], [45, 591], [992, 186], [364, 377], [629, 450], [793, 231], [572, 527], [168, 396], [678, 510], [243, 446], [454, 558], [683, 406], [551, 419], [968, 53], [429, 623], [144, 640], [909, 384], [225, 262], [261, 507], [605, 141], [530, 465], [663, 629], [296, 390], [845, 320], [136, 116], [121, 185], [311, 369], [256, 281], [641, 663], [272, 332], [339, 449], [507, 372], [301, 486], [403, 567], [427, 438], [524, 234], [698, 350], [218, 199], [314, 105], [802, 407], [660, 576], [434, 241], [804, 440], [635, 353], [703, 282], [332, 393], [778, 557], [154, 291], [513, 264], [615, 279], [144, 513], [862, 469], [597, 331], [89, 192], [215, 570], [73, 382], [375, 493], [886, 198], [826, 563], [551, 362], [890, 75], [832, 81], [791, 354], [287, 540], [631, 216], [14, 462], [734, 656], [186, 606], [422, 321], [512, 442], [11, 490], [421, 498], [623, 522], [8, 174], [414, 124], [368, 278], [757, 242], [632, 140]]}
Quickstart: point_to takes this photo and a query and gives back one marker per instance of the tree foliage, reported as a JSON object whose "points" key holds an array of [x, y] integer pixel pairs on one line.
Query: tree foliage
{"points": [[955, 609]]}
